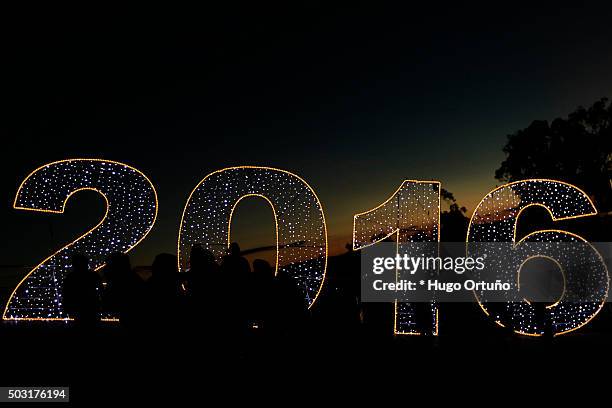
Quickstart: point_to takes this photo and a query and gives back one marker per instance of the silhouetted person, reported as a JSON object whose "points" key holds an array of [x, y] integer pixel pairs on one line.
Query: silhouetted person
{"points": [[288, 308], [234, 261], [163, 289], [124, 291], [205, 300], [202, 269], [263, 269], [115, 271], [260, 294], [233, 287], [378, 318], [543, 319], [338, 308], [81, 293]]}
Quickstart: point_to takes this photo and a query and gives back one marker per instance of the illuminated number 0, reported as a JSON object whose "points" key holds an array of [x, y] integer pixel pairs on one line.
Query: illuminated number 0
{"points": [[301, 233]]}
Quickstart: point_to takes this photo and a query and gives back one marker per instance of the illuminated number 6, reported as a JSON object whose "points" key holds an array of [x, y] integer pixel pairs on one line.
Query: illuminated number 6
{"points": [[411, 214], [301, 234], [495, 220], [131, 210]]}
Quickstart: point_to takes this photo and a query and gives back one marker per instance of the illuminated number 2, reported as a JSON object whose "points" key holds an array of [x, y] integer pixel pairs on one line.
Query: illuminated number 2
{"points": [[131, 210], [301, 233], [411, 214], [495, 220]]}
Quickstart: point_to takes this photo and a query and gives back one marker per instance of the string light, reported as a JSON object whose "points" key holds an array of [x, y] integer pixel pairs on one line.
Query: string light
{"points": [[301, 232], [586, 280], [131, 211], [411, 214]]}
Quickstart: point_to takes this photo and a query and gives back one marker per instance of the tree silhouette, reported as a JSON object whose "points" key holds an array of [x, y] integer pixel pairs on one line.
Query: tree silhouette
{"points": [[577, 150], [453, 222]]}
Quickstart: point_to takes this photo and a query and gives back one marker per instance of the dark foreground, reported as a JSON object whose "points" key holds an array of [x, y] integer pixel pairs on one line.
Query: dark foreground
{"points": [[188, 367]]}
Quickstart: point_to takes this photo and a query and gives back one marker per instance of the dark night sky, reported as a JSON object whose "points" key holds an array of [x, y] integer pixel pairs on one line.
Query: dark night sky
{"points": [[352, 99]]}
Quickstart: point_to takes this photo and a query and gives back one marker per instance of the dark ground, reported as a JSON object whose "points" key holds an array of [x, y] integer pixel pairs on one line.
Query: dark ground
{"points": [[330, 355], [191, 365]]}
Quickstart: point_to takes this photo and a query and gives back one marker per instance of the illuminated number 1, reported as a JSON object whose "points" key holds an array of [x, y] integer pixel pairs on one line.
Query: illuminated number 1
{"points": [[411, 214]]}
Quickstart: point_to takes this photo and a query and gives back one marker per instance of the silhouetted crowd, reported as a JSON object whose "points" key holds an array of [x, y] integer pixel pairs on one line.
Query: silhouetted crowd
{"points": [[232, 300], [228, 298]]}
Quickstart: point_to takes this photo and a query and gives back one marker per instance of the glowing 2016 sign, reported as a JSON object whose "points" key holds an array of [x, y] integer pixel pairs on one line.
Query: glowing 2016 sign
{"points": [[131, 210], [411, 214]]}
